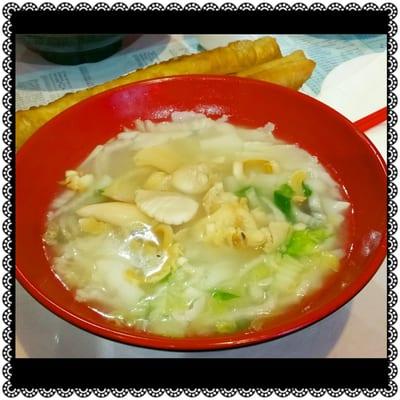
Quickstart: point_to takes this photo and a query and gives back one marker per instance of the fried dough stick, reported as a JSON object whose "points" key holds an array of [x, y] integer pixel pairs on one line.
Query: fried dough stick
{"points": [[291, 71], [230, 59]]}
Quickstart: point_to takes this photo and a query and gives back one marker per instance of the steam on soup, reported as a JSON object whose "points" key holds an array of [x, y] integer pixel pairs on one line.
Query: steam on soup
{"points": [[195, 227]]}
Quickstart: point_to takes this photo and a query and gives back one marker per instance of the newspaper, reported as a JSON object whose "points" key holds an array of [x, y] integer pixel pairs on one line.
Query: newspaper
{"points": [[45, 85], [329, 51]]}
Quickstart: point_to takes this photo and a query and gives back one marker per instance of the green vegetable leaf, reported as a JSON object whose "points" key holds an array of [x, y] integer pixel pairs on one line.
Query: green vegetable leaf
{"points": [[242, 192], [283, 200], [166, 278], [305, 242], [221, 295], [307, 190], [286, 190]]}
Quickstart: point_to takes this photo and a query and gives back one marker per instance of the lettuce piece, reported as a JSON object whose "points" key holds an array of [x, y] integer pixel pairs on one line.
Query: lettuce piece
{"points": [[243, 324], [223, 296], [306, 190], [283, 200], [141, 310], [326, 259], [167, 278], [258, 273], [288, 276], [168, 326], [226, 326], [253, 198], [305, 242], [243, 192]]}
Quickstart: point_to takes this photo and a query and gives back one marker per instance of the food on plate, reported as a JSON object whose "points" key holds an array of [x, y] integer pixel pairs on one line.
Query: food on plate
{"points": [[201, 227], [290, 71], [230, 59]]}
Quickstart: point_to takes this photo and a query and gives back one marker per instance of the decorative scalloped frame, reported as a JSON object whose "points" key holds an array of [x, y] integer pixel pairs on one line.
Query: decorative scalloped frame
{"points": [[8, 207]]}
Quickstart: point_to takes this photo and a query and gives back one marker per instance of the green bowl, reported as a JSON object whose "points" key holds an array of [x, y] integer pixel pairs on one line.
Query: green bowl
{"points": [[70, 49]]}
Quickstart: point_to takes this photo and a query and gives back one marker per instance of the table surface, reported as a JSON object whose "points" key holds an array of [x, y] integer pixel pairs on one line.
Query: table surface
{"points": [[356, 330]]}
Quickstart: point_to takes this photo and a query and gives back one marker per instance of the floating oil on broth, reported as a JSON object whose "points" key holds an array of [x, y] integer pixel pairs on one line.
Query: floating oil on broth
{"points": [[196, 227]]}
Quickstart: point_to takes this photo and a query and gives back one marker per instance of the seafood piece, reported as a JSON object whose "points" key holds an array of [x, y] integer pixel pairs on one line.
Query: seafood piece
{"points": [[76, 181], [192, 179], [168, 207], [115, 213]]}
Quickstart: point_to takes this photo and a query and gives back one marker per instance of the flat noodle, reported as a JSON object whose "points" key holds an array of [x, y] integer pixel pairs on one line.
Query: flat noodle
{"points": [[233, 58]]}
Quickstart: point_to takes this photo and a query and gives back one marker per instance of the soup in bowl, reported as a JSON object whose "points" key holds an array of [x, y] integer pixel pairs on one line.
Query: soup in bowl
{"points": [[198, 213]]}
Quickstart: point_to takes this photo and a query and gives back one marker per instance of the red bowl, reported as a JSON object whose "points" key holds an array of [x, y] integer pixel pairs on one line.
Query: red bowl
{"points": [[67, 139]]}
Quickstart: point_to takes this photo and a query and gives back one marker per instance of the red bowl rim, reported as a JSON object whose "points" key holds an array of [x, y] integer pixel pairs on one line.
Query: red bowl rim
{"points": [[216, 342]]}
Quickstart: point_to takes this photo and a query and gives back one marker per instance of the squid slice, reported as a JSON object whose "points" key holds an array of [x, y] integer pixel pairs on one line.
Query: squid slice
{"points": [[123, 188], [115, 213]]}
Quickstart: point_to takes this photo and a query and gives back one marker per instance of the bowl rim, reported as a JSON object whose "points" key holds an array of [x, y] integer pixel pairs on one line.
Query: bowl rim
{"points": [[232, 341]]}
